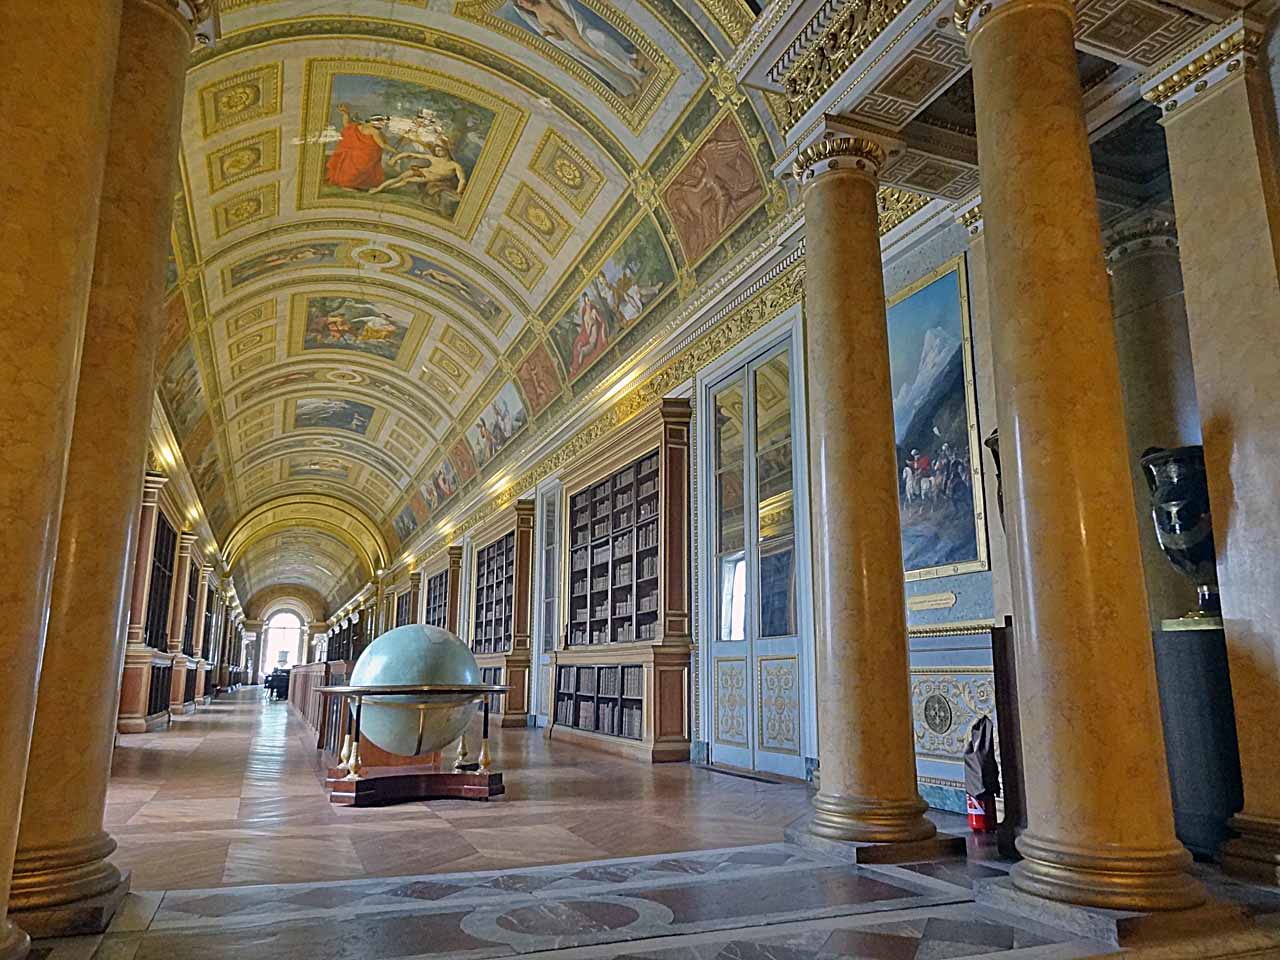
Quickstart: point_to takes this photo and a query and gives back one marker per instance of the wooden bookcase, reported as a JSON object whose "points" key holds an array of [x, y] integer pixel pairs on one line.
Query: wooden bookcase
{"points": [[621, 674], [443, 590], [501, 590], [435, 610], [495, 575]]}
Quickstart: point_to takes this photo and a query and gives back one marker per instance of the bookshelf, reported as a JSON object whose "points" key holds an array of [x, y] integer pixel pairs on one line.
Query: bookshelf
{"points": [[436, 608], [614, 545], [621, 673], [501, 582], [495, 585]]}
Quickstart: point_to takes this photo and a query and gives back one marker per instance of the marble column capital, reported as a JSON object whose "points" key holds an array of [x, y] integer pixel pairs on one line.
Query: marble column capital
{"points": [[187, 540], [1132, 239], [1224, 55], [970, 16]]}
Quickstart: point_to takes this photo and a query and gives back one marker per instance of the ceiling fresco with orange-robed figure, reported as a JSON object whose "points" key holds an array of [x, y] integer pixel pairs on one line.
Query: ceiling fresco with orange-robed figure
{"points": [[414, 234]]}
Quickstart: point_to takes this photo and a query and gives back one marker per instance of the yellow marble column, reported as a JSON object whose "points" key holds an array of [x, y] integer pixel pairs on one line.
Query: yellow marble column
{"points": [[1224, 160], [56, 66], [1100, 818], [62, 882], [868, 777]]}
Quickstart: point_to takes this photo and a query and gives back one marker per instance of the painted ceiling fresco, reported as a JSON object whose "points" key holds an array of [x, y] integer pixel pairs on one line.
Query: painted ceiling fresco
{"points": [[413, 233]]}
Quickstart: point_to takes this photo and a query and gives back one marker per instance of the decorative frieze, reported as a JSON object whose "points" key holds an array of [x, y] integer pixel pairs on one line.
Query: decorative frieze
{"points": [[852, 31]]}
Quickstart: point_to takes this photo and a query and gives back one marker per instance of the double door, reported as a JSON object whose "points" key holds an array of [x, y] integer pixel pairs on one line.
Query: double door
{"points": [[755, 670]]}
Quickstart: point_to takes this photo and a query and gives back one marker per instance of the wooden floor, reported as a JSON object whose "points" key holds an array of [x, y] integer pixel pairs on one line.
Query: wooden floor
{"points": [[232, 795]]}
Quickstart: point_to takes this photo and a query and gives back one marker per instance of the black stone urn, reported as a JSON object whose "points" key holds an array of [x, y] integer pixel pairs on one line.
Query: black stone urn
{"points": [[992, 443], [1180, 510]]}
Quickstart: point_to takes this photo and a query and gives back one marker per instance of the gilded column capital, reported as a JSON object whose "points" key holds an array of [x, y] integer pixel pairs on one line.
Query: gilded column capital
{"points": [[1223, 54], [197, 17], [970, 15], [187, 540], [971, 218], [861, 154]]}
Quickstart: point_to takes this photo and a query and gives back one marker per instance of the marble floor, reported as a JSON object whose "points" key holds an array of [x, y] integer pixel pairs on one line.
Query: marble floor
{"points": [[232, 795], [235, 852]]}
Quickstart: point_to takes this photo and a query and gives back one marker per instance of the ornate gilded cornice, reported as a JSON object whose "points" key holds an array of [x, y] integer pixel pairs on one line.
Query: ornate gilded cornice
{"points": [[897, 205], [836, 153], [848, 35], [1233, 46]]}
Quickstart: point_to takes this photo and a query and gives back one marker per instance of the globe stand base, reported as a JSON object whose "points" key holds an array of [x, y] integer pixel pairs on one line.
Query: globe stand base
{"points": [[380, 786]]}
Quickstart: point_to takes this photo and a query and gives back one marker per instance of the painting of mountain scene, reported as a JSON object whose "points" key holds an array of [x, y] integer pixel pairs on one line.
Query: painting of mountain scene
{"points": [[933, 407]]}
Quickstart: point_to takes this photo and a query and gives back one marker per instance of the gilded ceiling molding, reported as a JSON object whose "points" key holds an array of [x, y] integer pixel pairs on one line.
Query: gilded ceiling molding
{"points": [[771, 300], [1226, 52], [417, 37], [897, 205], [321, 512]]}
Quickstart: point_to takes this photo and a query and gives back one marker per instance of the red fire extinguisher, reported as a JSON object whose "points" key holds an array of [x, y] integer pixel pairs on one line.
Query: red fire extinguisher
{"points": [[982, 812]]}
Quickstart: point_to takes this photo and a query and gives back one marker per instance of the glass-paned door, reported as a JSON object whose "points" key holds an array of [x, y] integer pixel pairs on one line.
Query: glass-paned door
{"points": [[755, 669], [548, 597]]}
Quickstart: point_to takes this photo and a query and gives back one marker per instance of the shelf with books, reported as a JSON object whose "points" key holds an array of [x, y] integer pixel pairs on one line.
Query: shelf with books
{"points": [[625, 588], [501, 577]]}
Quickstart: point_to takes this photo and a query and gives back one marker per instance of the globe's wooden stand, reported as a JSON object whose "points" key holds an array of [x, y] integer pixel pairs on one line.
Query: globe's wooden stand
{"points": [[368, 776], [381, 786]]}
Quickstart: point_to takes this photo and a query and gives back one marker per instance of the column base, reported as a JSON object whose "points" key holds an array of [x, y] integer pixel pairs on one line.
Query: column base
{"points": [[938, 847], [182, 709], [14, 942], [66, 890], [1112, 878], [1255, 853], [86, 917], [1122, 928], [858, 819]]}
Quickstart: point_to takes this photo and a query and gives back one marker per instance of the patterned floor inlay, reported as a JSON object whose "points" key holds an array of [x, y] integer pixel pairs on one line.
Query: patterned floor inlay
{"points": [[766, 901]]}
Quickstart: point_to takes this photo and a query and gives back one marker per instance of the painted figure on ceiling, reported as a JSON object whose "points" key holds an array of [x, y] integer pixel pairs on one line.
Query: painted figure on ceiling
{"points": [[593, 334], [435, 175], [561, 23], [356, 161]]}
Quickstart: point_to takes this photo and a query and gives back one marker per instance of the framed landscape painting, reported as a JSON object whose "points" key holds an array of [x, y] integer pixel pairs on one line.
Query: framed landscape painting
{"points": [[935, 426]]}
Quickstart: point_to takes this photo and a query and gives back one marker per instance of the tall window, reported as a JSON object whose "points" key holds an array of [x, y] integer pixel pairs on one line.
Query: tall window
{"points": [[284, 634]]}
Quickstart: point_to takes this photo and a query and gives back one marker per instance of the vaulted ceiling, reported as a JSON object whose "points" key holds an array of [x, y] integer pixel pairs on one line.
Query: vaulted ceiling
{"points": [[414, 232]]}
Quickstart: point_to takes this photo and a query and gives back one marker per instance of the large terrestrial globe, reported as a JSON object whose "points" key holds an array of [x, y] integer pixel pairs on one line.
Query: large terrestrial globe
{"points": [[416, 654]]}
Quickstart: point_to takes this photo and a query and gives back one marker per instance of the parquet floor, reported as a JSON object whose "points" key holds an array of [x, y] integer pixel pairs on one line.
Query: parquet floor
{"points": [[232, 795]]}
